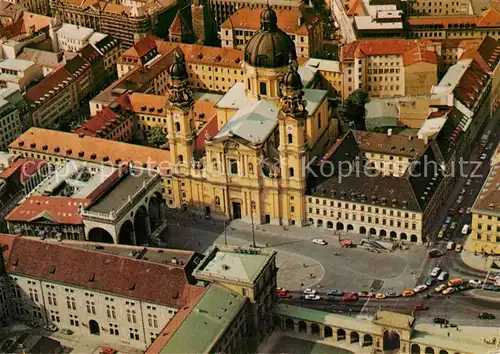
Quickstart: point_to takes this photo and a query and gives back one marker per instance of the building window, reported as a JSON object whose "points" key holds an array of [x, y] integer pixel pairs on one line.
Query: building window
{"points": [[180, 158], [290, 172], [290, 138], [319, 121], [70, 302], [73, 320], [110, 311], [131, 317], [134, 334], [113, 329], [248, 84], [152, 320], [263, 88], [233, 165], [52, 298], [177, 127], [91, 307]]}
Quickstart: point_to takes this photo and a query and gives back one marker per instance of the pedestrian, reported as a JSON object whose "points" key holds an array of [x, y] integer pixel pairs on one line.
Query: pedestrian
{"points": [[448, 334]]}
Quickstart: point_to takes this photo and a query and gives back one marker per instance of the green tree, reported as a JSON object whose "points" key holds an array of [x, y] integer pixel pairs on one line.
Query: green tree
{"points": [[156, 137], [354, 108]]}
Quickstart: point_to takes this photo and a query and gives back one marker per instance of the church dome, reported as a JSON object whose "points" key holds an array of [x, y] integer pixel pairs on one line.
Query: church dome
{"points": [[177, 70], [270, 47], [292, 78]]}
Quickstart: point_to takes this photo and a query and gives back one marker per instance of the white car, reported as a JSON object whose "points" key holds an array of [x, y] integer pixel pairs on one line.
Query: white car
{"points": [[420, 288], [310, 291], [320, 241], [460, 199], [435, 272], [469, 210], [312, 297], [475, 282], [483, 156], [469, 182]]}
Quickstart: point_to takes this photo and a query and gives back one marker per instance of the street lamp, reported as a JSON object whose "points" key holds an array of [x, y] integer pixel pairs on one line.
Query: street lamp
{"points": [[252, 207]]}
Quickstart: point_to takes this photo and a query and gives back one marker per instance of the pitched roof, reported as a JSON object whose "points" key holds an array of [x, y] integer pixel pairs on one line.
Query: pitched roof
{"points": [[25, 167], [397, 145], [56, 209], [412, 50], [76, 65], [69, 145], [102, 123], [204, 110], [209, 129], [491, 18], [471, 83], [179, 25], [124, 276], [144, 103], [248, 18], [141, 47], [51, 85], [443, 22]]}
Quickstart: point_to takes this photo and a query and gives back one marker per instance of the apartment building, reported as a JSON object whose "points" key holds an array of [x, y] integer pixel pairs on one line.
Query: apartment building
{"points": [[18, 73], [440, 8], [328, 70], [455, 27], [126, 21], [10, 123], [387, 68], [302, 25], [98, 290], [72, 38], [41, 7]]}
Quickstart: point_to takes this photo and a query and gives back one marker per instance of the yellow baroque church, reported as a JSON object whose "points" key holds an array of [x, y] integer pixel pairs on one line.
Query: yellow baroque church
{"points": [[268, 129]]}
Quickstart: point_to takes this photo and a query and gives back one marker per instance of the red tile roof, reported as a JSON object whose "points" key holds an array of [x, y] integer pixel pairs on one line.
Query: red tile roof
{"points": [[470, 85], [491, 18], [210, 129], [444, 21], [52, 84], [124, 276], [142, 47], [179, 25], [55, 209], [412, 50], [25, 167], [102, 123]]}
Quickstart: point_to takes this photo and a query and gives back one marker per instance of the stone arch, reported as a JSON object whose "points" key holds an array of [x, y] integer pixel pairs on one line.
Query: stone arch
{"points": [[340, 334], [350, 227], [391, 340], [413, 238], [429, 350], [383, 233], [373, 231], [404, 236], [340, 226], [367, 340], [154, 208], [415, 349], [329, 225], [362, 230], [319, 223], [141, 225], [98, 234], [393, 234], [289, 324], [442, 351], [311, 221], [126, 235], [328, 332], [315, 329], [302, 326], [354, 337]]}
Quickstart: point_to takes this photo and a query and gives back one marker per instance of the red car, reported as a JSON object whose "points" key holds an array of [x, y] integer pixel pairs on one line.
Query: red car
{"points": [[452, 211], [284, 295], [421, 307], [350, 297], [461, 211]]}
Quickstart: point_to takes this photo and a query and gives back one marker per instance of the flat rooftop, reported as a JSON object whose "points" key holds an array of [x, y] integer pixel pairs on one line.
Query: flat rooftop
{"points": [[120, 193], [151, 254], [238, 263]]}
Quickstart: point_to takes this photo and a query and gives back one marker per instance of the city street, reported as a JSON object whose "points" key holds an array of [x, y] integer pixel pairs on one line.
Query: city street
{"points": [[343, 21]]}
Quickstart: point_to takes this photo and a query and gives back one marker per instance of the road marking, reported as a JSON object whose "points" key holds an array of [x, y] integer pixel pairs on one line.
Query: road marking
{"points": [[365, 305]]}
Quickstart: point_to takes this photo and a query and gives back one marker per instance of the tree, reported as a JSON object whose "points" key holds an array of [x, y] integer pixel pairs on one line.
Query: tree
{"points": [[354, 108], [156, 137]]}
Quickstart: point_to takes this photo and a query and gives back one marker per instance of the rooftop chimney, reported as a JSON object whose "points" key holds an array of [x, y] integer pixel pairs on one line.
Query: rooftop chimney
{"points": [[389, 132]]}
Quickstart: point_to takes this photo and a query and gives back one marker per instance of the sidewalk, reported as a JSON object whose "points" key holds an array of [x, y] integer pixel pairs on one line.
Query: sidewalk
{"points": [[478, 262]]}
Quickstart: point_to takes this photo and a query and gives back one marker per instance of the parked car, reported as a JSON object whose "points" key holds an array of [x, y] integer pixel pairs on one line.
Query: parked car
{"points": [[458, 248], [448, 291], [51, 328], [461, 211], [430, 282], [380, 296], [66, 331], [331, 298], [443, 276], [483, 156], [469, 182], [284, 295], [486, 316], [462, 191], [440, 234], [440, 320], [421, 307], [463, 286], [366, 294], [312, 297], [452, 211], [420, 288], [447, 220], [435, 271], [450, 246], [469, 210], [453, 225], [455, 282], [392, 293], [320, 241], [440, 288], [350, 297], [334, 292], [435, 253], [490, 287], [281, 290], [475, 282], [310, 291], [407, 293], [33, 324], [460, 199]]}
